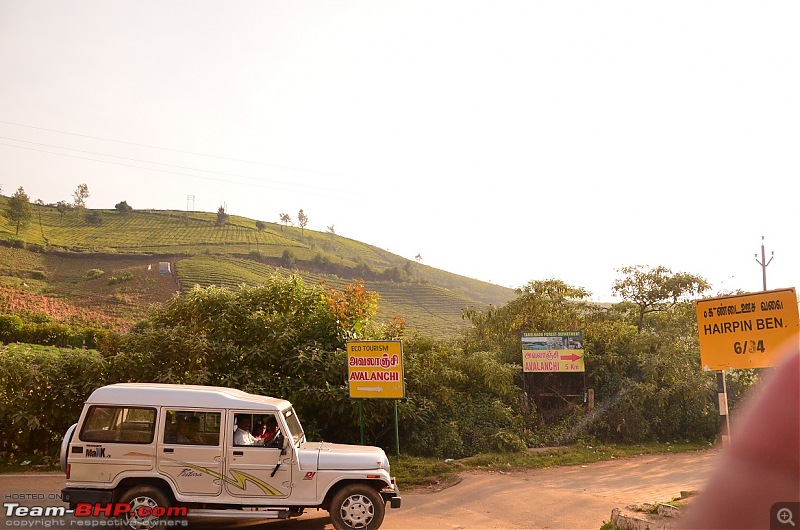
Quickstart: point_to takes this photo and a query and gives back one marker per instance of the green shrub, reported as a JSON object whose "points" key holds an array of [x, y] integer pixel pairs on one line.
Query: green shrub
{"points": [[124, 277], [10, 328], [288, 259], [50, 334], [42, 391], [39, 275], [94, 218], [91, 274]]}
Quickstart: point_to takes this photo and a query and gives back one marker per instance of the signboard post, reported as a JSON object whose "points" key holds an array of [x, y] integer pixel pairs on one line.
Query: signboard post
{"points": [[375, 371], [744, 331]]}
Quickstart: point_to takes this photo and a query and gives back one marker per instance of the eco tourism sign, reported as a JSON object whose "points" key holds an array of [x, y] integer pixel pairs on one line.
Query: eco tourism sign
{"points": [[746, 331], [553, 351], [375, 369]]}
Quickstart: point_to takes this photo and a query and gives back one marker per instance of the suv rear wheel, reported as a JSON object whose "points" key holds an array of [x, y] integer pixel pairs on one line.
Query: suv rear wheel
{"points": [[143, 499], [357, 506]]}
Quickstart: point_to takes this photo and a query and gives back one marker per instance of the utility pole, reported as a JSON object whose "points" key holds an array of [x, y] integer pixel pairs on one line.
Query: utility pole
{"points": [[764, 263]]}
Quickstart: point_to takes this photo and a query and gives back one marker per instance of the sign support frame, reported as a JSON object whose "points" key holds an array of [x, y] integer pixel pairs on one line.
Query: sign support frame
{"points": [[725, 427]]}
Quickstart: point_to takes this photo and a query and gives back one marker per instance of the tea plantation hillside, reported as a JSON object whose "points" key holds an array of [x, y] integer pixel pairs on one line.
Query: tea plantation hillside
{"points": [[108, 261]]}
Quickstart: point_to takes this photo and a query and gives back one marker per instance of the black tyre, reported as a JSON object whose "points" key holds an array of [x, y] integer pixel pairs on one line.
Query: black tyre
{"points": [[143, 499], [357, 506]]}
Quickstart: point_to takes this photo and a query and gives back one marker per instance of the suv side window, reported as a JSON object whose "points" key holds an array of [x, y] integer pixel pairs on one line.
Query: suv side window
{"points": [[106, 423], [192, 427], [262, 430]]}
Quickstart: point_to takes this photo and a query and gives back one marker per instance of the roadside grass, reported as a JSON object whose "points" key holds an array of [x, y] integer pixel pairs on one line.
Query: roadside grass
{"points": [[422, 472]]}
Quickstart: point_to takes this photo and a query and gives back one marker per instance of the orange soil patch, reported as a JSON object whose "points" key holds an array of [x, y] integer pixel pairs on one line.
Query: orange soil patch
{"points": [[14, 300]]}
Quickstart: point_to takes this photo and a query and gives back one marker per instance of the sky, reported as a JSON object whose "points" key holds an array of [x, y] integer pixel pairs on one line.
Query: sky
{"points": [[503, 141]]}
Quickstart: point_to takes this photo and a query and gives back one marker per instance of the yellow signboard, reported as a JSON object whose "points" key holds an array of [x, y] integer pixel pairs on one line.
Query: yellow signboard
{"points": [[746, 331], [375, 369], [553, 351]]}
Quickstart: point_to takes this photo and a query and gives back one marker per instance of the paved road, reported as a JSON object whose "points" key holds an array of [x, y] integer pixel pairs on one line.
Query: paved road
{"points": [[565, 497]]}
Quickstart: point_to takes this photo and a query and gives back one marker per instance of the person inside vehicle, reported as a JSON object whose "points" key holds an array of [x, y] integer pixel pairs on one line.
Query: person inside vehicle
{"points": [[188, 430], [242, 434], [265, 433]]}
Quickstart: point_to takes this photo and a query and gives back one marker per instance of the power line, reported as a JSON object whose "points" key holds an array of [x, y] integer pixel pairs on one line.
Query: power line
{"points": [[176, 150], [140, 160], [304, 190]]}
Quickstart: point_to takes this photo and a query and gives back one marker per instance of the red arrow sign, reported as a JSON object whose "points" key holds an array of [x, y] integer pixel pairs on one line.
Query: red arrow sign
{"points": [[570, 357]]}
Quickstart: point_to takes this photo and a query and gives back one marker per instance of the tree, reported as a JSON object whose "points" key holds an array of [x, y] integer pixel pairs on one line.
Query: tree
{"points": [[80, 195], [18, 209], [123, 207], [656, 289], [302, 220], [331, 231], [261, 225], [94, 218], [63, 207], [222, 217], [541, 305], [286, 219], [288, 259]]}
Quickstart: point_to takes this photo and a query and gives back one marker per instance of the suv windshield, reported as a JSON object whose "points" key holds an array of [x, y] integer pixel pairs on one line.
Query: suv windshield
{"points": [[295, 430]]}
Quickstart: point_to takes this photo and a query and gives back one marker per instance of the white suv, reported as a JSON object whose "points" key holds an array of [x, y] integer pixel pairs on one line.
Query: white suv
{"points": [[154, 447]]}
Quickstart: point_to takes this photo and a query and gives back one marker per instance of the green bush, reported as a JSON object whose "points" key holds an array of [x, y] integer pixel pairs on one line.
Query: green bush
{"points": [[124, 277], [91, 274], [288, 259], [40, 329], [10, 328], [42, 391], [94, 218], [39, 275]]}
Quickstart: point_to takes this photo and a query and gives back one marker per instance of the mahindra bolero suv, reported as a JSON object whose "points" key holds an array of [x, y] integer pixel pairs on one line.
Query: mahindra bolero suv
{"points": [[154, 447]]}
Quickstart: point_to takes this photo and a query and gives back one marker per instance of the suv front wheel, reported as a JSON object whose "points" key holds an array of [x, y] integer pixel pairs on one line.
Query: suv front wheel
{"points": [[357, 506]]}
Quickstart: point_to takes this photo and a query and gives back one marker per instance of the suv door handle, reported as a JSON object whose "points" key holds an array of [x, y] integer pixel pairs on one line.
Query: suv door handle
{"points": [[169, 450], [238, 453]]}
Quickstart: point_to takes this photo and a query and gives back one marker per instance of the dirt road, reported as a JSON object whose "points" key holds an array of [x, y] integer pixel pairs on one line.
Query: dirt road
{"points": [[572, 497]]}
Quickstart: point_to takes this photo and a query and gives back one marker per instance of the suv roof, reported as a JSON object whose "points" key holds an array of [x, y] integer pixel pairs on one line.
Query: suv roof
{"points": [[191, 396]]}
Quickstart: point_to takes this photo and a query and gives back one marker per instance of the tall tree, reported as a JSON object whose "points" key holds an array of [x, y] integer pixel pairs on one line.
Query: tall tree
{"points": [[541, 305], [260, 226], [222, 217], [286, 219], [302, 220], [656, 289], [18, 209], [80, 195]]}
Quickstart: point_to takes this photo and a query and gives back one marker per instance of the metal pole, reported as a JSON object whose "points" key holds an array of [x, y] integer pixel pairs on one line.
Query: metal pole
{"points": [[764, 263], [361, 419], [396, 431], [725, 428]]}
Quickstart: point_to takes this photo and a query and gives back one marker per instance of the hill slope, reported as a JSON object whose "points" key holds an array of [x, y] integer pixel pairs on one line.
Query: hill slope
{"points": [[112, 266]]}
